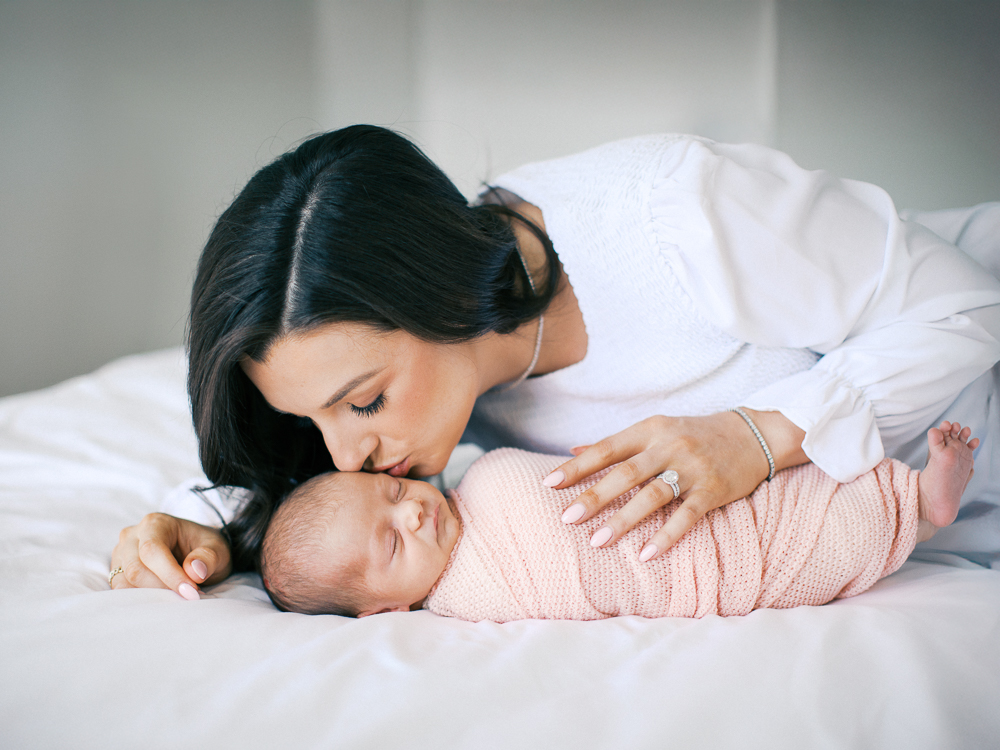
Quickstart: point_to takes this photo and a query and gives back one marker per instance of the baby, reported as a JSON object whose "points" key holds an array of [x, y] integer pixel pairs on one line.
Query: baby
{"points": [[360, 544]]}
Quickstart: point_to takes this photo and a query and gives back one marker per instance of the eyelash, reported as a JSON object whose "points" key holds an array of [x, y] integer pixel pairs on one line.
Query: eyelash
{"points": [[372, 409]]}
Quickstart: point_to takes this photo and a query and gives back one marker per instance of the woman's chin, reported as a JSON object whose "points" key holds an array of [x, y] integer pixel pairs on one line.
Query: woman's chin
{"points": [[422, 472], [426, 469]]}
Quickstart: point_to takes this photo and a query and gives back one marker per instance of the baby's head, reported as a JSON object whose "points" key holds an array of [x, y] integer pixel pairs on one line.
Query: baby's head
{"points": [[357, 544]]}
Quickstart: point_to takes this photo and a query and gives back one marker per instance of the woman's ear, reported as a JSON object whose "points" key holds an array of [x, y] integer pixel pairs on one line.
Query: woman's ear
{"points": [[380, 611]]}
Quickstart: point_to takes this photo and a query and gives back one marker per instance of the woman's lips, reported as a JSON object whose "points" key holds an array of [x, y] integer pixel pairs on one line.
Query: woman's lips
{"points": [[399, 470]]}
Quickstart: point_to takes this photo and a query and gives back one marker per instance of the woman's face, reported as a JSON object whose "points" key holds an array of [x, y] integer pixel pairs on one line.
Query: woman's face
{"points": [[383, 401]]}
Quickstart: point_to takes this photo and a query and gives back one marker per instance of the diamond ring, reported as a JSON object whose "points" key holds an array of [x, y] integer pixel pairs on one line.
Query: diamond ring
{"points": [[670, 477]]}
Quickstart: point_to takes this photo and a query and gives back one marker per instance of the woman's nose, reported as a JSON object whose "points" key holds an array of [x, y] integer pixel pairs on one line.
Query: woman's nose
{"points": [[349, 452]]}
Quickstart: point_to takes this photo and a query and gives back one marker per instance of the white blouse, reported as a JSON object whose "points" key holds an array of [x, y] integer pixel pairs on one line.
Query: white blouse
{"points": [[714, 275]]}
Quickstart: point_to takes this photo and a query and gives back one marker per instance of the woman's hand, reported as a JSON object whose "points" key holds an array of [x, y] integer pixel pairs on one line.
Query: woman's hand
{"points": [[170, 553], [717, 458]]}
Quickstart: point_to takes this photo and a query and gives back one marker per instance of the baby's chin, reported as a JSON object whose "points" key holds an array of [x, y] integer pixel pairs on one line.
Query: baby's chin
{"points": [[449, 497]]}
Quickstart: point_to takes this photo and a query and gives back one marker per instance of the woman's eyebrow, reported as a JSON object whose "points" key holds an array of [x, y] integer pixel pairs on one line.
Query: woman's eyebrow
{"points": [[350, 387]]}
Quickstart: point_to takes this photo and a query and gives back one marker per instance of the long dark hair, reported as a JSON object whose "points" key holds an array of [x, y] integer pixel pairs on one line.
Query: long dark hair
{"points": [[356, 225]]}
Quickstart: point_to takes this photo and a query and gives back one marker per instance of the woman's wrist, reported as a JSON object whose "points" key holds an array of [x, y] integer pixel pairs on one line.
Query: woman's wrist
{"points": [[760, 440], [782, 436]]}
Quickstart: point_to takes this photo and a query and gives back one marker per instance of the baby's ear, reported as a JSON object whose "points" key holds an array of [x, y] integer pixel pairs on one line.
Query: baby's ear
{"points": [[384, 609]]}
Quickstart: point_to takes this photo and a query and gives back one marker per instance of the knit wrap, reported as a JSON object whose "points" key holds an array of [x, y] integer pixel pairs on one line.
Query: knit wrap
{"points": [[802, 538]]}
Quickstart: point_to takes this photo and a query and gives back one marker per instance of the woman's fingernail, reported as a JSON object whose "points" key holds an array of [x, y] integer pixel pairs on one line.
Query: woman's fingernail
{"points": [[554, 478], [200, 569], [188, 591], [602, 537], [647, 552], [573, 513]]}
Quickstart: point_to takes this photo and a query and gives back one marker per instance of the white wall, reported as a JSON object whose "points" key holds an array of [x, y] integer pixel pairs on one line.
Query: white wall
{"points": [[128, 124]]}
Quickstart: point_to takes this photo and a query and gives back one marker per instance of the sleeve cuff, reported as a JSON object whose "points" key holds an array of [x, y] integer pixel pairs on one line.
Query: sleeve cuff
{"points": [[842, 437]]}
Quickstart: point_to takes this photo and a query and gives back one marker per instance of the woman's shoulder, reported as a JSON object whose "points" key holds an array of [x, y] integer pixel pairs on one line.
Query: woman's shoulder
{"points": [[579, 194], [612, 155]]}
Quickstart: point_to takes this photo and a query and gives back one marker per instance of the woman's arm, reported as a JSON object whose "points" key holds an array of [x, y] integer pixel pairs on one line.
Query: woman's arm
{"points": [[172, 553], [779, 256]]}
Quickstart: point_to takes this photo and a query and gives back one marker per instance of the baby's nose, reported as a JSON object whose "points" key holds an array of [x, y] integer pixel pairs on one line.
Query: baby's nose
{"points": [[413, 514]]}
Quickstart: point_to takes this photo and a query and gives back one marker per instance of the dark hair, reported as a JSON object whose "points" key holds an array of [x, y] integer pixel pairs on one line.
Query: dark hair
{"points": [[356, 225]]}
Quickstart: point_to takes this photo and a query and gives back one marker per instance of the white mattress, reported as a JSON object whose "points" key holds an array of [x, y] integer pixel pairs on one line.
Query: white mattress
{"points": [[913, 663]]}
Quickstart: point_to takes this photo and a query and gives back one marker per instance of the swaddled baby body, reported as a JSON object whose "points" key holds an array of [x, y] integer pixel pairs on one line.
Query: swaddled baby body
{"points": [[361, 544]]}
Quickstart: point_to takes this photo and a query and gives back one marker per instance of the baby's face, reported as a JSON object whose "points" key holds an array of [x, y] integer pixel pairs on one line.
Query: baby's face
{"points": [[400, 532]]}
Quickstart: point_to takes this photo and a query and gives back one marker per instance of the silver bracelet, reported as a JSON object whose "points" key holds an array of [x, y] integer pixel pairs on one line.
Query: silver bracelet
{"points": [[760, 439]]}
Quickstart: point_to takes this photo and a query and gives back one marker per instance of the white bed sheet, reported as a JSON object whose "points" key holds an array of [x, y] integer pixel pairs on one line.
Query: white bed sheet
{"points": [[913, 663]]}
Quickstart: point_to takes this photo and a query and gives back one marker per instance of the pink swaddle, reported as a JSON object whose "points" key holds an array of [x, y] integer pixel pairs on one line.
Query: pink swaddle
{"points": [[800, 539]]}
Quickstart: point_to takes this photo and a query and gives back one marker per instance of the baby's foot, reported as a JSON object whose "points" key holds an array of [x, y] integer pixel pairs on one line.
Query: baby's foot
{"points": [[948, 470]]}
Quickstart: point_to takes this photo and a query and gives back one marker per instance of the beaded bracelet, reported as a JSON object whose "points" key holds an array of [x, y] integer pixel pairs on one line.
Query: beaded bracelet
{"points": [[760, 439]]}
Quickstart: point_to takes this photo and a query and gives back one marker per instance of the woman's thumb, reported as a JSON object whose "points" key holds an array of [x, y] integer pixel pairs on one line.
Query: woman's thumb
{"points": [[201, 563]]}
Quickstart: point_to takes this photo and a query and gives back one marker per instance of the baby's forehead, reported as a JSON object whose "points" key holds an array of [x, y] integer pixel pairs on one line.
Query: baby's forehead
{"points": [[337, 490], [322, 485], [337, 503]]}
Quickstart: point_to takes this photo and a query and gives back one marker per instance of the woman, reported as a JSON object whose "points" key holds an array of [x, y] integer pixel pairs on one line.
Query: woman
{"points": [[352, 311]]}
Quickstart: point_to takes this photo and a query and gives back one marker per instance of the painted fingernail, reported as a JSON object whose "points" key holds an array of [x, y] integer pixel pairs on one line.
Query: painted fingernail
{"points": [[573, 513], [602, 537], [647, 552], [554, 478], [188, 591], [200, 569]]}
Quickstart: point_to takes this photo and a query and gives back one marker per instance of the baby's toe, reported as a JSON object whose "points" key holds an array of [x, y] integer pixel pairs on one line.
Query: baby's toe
{"points": [[935, 438]]}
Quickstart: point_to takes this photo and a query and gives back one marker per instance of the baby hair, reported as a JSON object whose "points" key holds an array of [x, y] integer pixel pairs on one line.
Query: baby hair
{"points": [[294, 559]]}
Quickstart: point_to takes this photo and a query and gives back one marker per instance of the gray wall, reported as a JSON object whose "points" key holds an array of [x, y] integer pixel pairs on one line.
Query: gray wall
{"points": [[491, 85], [128, 124], [905, 94]]}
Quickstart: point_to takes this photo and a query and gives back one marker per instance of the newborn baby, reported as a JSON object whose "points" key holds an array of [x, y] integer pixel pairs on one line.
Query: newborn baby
{"points": [[360, 544]]}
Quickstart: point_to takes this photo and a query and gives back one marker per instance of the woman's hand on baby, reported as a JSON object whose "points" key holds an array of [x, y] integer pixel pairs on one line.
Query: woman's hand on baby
{"points": [[165, 552], [717, 458]]}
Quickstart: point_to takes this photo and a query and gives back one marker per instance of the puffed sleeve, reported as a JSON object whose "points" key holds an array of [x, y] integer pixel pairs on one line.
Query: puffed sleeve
{"points": [[779, 256]]}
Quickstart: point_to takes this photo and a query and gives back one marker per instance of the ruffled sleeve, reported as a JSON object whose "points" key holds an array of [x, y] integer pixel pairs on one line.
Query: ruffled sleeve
{"points": [[779, 256]]}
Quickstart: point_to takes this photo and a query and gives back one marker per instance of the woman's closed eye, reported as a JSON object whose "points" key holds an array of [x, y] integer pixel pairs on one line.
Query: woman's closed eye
{"points": [[371, 409]]}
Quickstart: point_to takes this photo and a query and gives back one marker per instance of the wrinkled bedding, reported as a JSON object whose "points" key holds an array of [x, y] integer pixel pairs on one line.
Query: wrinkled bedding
{"points": [[914, 662]]}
